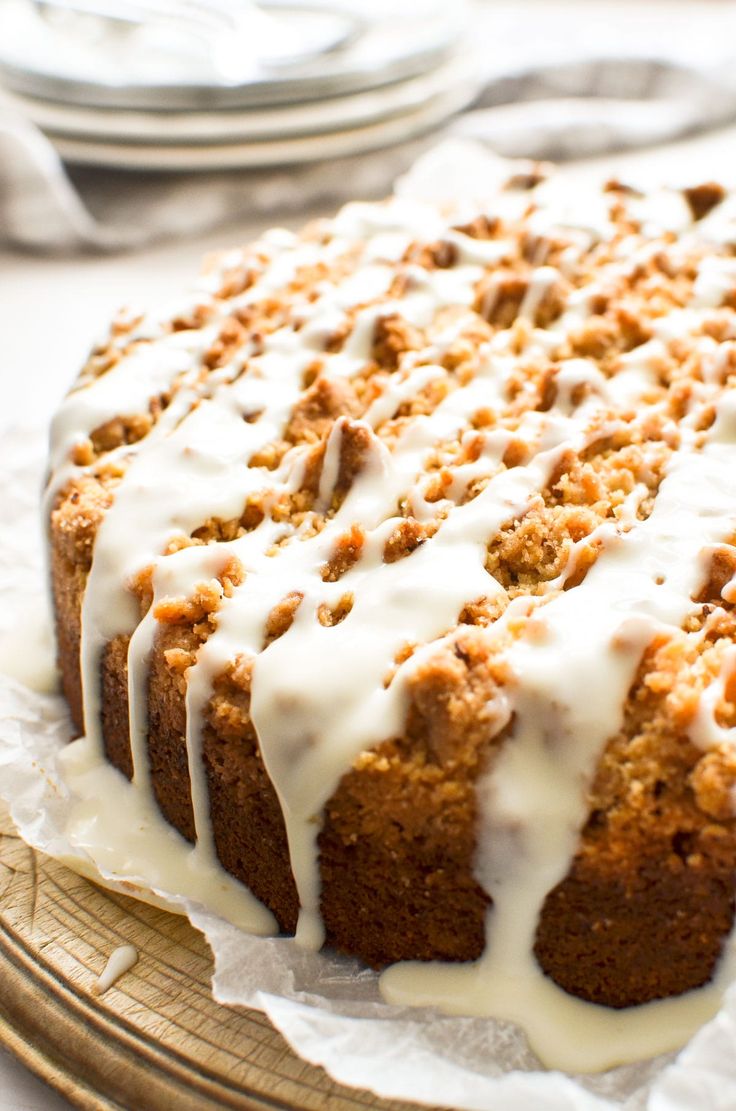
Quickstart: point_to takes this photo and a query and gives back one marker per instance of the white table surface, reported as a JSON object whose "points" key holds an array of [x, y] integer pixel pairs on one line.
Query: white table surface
{"points": [[51, 309]]}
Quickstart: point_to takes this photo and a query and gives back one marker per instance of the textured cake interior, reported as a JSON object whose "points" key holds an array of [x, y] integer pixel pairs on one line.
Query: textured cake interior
{"points": [[574, 345]]}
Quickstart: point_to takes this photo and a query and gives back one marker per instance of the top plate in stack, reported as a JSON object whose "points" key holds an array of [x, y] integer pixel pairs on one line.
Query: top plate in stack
{"points": [[339, 80]]}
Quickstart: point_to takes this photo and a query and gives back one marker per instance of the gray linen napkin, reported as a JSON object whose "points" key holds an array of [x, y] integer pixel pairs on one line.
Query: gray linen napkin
{"points": [[549, 92]]}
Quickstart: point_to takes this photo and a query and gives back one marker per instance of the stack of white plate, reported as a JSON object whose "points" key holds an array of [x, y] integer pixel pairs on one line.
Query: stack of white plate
{"points": [[161, 84]]}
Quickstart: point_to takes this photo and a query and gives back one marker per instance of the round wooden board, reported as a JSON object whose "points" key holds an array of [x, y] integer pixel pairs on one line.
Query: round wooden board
{"points": [[154, 1041]]}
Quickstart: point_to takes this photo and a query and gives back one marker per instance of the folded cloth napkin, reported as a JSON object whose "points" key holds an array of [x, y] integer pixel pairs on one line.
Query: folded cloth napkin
{"points": [[561, 81]]}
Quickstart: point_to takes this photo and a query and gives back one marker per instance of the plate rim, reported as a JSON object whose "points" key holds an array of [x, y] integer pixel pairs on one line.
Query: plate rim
{"points": [[364, 74], [246, 125], [267, 154]]}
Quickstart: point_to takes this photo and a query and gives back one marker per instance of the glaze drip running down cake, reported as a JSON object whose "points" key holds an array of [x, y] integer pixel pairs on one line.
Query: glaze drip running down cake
{"points": [[397, 566]]}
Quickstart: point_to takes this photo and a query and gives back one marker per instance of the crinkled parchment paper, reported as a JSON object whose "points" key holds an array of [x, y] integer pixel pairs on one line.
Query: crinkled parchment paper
{"points": [[328, 1008]]}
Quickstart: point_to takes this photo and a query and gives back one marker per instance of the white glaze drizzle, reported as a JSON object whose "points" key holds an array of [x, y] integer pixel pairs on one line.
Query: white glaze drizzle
{"points": [[319, 695], [705, 731], [120, 961]]}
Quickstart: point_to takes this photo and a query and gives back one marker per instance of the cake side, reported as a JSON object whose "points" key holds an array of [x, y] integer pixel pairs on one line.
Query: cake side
{"points": [[609, 932]]}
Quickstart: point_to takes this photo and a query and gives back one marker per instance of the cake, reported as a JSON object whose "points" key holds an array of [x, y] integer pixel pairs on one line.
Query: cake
{"points": [[398, 563]]}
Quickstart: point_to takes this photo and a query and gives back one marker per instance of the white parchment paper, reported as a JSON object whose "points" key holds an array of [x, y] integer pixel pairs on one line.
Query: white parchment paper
{"points": [[328, 1008]]}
